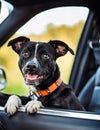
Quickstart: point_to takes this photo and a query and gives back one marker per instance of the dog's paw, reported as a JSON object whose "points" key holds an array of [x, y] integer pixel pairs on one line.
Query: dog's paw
{"points": [[33, 106], [12, 104]]}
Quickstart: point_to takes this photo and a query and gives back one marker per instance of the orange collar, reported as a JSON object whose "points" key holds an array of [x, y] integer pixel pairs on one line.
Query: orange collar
{"points": [[50, 89]]}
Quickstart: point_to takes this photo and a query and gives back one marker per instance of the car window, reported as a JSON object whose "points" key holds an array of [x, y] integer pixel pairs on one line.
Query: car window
{"points": [[63, 23], [5, 9]]}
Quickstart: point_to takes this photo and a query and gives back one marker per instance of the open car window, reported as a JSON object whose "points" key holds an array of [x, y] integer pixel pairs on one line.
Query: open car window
{"points": [[73, 35], [63, 23]]}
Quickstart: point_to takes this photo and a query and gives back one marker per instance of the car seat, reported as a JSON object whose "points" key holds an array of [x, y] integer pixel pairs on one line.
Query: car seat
{"points": [[90, 94]]}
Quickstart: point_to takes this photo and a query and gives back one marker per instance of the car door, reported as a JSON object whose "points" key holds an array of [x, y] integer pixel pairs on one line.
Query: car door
{"points": [[83, 66]]}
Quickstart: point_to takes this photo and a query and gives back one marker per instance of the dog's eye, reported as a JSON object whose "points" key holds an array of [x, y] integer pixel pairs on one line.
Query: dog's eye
{"points": [[25, 55], [45, 56]]}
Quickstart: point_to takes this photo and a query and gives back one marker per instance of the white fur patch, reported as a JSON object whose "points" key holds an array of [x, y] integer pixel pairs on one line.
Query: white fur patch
{"points": [[12, 104], [33, 106]]}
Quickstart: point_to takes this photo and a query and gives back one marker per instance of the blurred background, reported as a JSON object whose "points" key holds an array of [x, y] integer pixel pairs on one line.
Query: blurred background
{"points": [[48, 25]]}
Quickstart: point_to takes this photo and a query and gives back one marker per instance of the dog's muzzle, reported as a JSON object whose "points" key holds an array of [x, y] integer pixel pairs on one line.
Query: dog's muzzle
{"points": [[31, 66], [31, 73]]}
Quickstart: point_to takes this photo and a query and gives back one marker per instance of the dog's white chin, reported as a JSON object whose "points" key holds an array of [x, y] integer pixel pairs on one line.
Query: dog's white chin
{"points": [[32, 83]]}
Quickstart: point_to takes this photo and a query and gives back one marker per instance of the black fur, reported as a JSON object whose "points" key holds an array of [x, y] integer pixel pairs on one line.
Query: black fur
{"points": [[42, 62]]}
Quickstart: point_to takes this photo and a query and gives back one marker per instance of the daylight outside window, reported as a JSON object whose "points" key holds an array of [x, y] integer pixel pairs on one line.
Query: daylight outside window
{"points": [[62, 23]]}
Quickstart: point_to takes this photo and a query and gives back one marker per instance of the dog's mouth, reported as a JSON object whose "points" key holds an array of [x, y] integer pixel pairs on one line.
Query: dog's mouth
{"points": [[32, 78]]}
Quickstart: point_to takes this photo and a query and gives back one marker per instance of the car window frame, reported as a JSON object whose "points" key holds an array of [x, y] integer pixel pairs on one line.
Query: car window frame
{"points": [[2, 43], [60, 119]]}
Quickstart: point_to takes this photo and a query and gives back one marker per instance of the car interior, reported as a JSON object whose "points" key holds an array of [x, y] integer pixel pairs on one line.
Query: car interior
{"points": [[90, 92], [84, 77]]}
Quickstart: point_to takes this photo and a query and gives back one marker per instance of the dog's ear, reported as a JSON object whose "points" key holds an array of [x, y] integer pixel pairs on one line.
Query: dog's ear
{"points": [[60, 47], [17, 43]]}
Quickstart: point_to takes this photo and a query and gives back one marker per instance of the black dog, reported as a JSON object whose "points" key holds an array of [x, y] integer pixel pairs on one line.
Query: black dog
{"points": [[38, 66]]}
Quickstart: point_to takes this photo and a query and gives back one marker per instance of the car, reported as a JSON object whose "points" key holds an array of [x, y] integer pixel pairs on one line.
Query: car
{"points": [[84, 75]]}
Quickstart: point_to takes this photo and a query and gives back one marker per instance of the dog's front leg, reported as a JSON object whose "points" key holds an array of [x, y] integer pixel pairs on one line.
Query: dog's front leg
{"points": [[33, 106], [12, 104]]}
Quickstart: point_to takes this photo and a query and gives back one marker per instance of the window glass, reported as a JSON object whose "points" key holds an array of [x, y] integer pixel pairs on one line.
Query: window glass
{"points": [[63, 23]]}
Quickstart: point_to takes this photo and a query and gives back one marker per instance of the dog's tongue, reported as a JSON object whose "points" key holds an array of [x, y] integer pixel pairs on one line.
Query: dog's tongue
{"points": [[33, 77]]}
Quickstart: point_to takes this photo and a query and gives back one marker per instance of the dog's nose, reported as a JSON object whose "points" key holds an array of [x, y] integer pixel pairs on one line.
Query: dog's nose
{"points": [[32, 66]]}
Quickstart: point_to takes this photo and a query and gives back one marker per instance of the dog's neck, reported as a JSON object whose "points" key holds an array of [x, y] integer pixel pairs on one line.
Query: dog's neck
{"points": [[49, 90]]}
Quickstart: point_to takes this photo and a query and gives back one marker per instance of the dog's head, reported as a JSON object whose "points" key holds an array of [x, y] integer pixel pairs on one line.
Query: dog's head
{"points": [[37, 60]]}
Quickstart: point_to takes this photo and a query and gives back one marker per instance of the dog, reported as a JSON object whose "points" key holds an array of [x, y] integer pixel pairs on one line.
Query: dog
{"points": [[37, 63]]}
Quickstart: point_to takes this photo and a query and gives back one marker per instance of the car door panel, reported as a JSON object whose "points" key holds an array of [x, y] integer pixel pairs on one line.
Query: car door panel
{"points": [[50, 119]]}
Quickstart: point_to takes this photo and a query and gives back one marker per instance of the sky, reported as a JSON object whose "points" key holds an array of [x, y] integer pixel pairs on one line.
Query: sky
{"points": [[57, 16], [66, 15]]}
